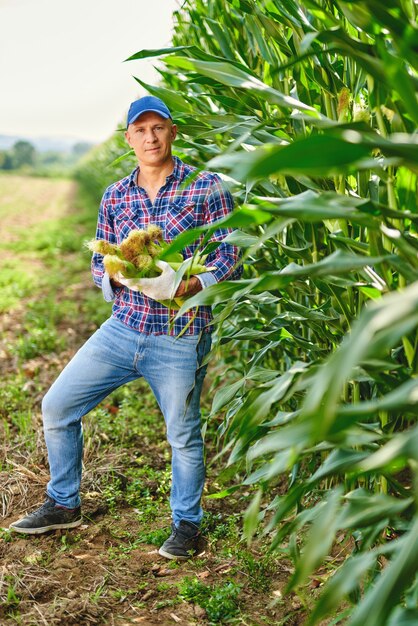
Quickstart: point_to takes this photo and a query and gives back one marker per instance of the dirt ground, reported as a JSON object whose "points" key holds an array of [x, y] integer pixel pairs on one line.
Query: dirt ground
{"points": [[97, 573]]}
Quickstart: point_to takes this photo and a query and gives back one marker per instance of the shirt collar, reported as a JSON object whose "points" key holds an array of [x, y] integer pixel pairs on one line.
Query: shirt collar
{"points": [[133, 177], [178, 173]]}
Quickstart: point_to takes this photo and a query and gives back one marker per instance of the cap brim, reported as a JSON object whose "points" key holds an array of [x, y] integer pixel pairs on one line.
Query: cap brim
{"points": [[164, 115]]}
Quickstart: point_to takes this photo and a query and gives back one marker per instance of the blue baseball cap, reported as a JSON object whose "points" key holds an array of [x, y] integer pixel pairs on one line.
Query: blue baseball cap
{"points": [[146, 104]]}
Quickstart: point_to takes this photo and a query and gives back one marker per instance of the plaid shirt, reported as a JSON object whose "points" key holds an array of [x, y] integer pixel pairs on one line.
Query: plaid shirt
{"points": [[125, 207]]}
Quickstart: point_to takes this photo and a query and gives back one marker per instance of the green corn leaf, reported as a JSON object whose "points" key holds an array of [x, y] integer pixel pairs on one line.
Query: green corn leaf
{"points": [[252, 517], [233, 76], [386, 320], [319, 539], [386, 592], [225, 394], [175, 102], [403, 617], [342, 583], [339, 461], [390, 456], [145, 54], [277, 465], [364, 509], [287, 437]]}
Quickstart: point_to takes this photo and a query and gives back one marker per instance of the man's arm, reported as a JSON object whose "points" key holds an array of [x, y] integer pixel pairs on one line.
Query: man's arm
{"points": [[104, 231], [219, 203], [225, 259]]}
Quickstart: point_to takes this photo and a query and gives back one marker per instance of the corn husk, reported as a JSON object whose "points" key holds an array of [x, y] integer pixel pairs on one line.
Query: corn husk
{"points": [[136, 257]]}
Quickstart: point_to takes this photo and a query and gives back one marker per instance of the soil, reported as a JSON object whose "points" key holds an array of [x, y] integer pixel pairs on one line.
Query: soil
{"points": [[93, 575]]}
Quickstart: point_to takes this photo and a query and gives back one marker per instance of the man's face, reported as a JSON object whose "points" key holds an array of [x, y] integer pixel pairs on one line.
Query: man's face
{"points": [[151, 137]]}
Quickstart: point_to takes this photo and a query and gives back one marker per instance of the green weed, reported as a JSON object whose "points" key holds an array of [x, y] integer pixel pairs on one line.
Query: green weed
{"points": [[121, 594], [11, 599], [14, 400], [113, 492], [260, 569], [69, 540], [23, 422], [36, 342], [16, 282], [94, 308], [218, 526], [6, 535], [99, 592], [138, 417], [51, 239], [155, 537], [219, 601], [161, 604], [48, 312], [163, 586]]}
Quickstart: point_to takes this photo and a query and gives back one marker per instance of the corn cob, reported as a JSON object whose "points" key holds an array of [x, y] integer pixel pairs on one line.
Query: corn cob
{"points": [[135, 257]]}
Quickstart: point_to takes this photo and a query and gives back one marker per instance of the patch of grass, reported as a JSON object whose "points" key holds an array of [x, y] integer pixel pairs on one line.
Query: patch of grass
{"points": [[122, 594], [6, 535], [17, 281], [10, 599], [162, 604], [94, 308], [48, 312], [113, 490], [13, 397], [260, 569], [55, 238], [36, 342], [219, 601], [155, 537], [23, 423], [130, 416], [100, 591], [42, 323], [219, 526], [16, 409], [69, 540]]}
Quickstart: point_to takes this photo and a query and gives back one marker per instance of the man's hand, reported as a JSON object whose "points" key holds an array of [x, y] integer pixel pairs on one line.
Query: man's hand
{"points": [[159, 288], [189, 287], [114, 283]]}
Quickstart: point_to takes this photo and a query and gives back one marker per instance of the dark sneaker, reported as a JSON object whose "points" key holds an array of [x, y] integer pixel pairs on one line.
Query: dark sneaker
{"points": [[49, 516], [183, 543]]}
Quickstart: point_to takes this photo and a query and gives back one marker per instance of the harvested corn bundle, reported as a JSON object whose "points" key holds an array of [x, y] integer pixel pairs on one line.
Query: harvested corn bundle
{"points": [[103, 247], [136, 256]]}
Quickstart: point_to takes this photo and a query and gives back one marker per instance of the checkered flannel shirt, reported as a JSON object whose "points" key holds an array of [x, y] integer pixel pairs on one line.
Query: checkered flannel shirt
{"points": [[125, 207]]}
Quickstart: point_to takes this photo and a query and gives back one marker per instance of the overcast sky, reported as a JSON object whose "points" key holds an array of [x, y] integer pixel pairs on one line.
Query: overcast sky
{"points": [[61, 63]]}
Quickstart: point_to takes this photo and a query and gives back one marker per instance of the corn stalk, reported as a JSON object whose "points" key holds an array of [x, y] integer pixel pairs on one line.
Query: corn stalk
{"points": [[310, 109]]}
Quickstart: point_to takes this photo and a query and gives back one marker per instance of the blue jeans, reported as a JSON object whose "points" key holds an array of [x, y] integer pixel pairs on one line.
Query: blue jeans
{"points": [[113, 356]]}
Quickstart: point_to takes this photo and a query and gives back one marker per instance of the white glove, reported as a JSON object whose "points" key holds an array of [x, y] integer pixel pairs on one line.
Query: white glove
{"points": [[161, 287]]}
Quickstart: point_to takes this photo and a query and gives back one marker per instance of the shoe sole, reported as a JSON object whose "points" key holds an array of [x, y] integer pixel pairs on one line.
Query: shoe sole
{"points": [[44, 529], [168, 555]]}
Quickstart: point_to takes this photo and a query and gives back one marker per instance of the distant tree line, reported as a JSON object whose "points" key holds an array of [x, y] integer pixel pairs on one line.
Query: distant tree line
{"points": [[24, 156]]}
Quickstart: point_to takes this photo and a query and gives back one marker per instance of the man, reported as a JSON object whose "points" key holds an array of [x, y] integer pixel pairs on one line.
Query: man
{"points": [[141, 339]]}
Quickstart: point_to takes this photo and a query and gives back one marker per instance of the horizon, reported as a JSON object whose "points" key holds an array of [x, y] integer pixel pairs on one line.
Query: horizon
{"points": [[44, 143]]}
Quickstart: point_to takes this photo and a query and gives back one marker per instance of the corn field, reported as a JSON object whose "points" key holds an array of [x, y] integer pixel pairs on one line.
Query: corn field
{"points": [[309, 109]]}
